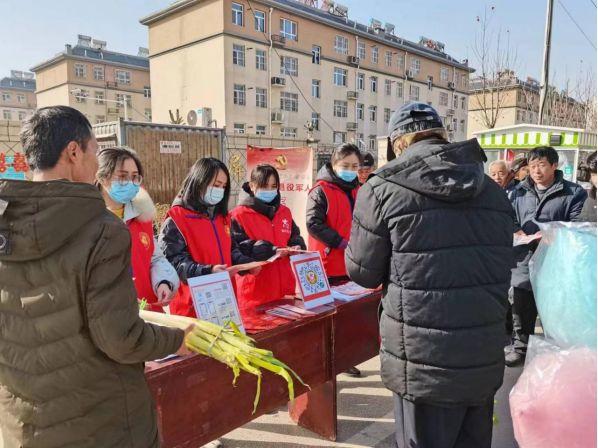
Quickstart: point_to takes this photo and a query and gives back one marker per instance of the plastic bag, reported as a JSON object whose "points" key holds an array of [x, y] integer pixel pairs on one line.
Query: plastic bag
{"points": [[563, 276], [553, 404]]}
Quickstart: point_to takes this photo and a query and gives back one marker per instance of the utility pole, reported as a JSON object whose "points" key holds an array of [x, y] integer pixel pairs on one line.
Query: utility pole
{"points": [[546, 66]]}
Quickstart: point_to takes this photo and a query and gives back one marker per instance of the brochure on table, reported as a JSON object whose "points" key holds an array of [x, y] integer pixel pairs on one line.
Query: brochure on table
{"points": [[214, 299], [312, 283]]}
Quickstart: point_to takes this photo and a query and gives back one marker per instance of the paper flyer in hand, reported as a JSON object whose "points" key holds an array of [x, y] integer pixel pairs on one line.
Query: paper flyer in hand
{"points": [[312, 282], [214, 299]]}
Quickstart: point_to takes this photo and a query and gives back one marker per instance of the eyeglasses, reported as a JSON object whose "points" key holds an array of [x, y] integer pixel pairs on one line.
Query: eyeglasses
{"points": [[123, 180]]}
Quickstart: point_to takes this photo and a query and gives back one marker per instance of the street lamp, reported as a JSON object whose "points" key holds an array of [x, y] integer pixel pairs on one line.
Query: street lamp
{"points": [[77, 94]]}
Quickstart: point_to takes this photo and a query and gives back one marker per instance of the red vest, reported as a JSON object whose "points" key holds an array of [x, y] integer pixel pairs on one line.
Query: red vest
{"points": [[142, 249], [208, 242], [339, 218], [275, 279]]}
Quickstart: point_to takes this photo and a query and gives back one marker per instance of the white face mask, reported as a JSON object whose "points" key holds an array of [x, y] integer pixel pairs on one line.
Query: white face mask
{"points": [[213, 195]]}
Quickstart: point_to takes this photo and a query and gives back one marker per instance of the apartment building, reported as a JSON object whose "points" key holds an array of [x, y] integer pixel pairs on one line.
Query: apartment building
{"points": [[296, 69], [102, 84], [17, 96], [508, 100]]}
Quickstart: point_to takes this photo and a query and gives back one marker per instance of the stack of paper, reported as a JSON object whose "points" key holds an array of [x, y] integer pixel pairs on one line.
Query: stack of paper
{"points": [[349, 291]]}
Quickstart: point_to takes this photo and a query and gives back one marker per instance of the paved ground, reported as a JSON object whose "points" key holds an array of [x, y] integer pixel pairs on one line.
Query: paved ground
{"points": [[366, 418]]}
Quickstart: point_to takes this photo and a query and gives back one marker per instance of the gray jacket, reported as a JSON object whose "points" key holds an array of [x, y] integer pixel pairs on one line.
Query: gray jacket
{"points": [[437, 234], [562, 202]]}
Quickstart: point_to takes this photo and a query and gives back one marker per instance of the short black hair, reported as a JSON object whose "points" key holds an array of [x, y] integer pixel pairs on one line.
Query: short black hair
{"points": [[544, 151], [343, 151], [197, 182], [109, 159], [591, 162], [367, 159], [49, 130], [261, 174]]}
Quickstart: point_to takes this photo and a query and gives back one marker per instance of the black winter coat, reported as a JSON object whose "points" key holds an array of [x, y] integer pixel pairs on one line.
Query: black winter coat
{"points": [[438, 234], [562, 202]]}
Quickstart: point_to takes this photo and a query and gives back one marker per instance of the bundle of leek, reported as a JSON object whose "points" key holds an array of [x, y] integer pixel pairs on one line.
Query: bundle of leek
{"points": [[229, 346]]}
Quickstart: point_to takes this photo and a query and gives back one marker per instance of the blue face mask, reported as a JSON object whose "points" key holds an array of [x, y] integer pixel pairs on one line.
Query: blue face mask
{"points": [[123, 193], [347, 175], [213, 195], [266, 195]]}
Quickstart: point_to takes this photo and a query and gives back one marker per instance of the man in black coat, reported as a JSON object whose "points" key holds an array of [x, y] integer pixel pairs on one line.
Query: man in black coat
{"points": [[543, 196], [437, 234]]}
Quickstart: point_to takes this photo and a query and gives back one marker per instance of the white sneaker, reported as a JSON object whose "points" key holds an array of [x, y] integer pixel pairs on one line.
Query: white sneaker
{"points": [[213, 444]]}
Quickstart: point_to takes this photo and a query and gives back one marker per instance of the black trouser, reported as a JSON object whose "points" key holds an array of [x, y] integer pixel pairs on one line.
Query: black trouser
{"points": [[428, 426], [524, 318]]}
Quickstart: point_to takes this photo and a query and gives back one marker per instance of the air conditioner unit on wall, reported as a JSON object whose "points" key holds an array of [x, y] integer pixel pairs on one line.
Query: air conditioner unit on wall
{"points": [[351, 126], [278, 81], [354, 60], [451, 85], [277, 117], [410, 74], [200, 117], [352, 95]]}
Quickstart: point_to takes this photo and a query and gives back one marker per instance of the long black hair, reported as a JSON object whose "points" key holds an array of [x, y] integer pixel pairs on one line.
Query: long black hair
{"points": [[591, 163], [197, 182], [260, 175]]}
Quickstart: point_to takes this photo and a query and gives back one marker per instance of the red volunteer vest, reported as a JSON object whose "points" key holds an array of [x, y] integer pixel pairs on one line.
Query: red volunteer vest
{"points": [[339, 218], [208, 242], [142, 249], [275, 280]]}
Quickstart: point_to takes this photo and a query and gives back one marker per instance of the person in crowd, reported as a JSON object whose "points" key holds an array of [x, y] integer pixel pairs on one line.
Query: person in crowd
{"points": [[520, 168], [588, 212], [366, 168], [195, 236], [503, 176], [422, 227], [543, 196], [119, 176], [330, 208], [72, 344], [263, 227]]}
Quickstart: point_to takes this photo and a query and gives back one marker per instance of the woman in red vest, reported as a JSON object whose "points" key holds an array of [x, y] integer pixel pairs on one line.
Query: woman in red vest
{"points": [[330, 208], [263, 227], [119, 177], [196, 234]]}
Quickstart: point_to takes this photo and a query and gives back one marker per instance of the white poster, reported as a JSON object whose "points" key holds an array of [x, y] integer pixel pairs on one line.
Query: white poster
{"points": [[312, 281], [170, 147]]}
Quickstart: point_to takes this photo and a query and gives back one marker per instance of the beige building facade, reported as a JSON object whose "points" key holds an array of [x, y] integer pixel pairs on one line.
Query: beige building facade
{"points": [[17, 96], [285, 69], [104, 85]]}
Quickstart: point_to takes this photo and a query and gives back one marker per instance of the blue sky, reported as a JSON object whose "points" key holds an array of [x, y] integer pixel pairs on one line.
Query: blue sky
{"points": [[34, 30]]}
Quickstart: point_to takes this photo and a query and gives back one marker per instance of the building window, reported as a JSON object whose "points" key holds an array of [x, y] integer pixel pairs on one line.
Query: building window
{"points": [[464, 80], [361, 51], [239, 55], [374, 84], [22, 115], [122, 98], [340, 77], [455, 102], [415, 66], [315, 121], [386, 115], [462, 125], [260, 60], [260, 129], [261, 97], [148, 114], [315, 88], [289, 101], [7, 115], [339, 138], [147, 92], [239, 128], [388, 58], [123, 77], [375, 55], [239, 94], [288, 132], [341, 44], [98, 73], [463, 102], [373, 110], [401, 62], [288, 29], [237, 14], [399, 90], [81, 97], [359, 139], [6, 97], [316, 54], [20, 99], [454, 127], [340, 109], [99, 97], [80, 70], [430, 82], [289, 65], [443, 99], [414, 93], [360, 111], [444, 74], [388, 87], [372, 143], [360, 81], [259, 19]]}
